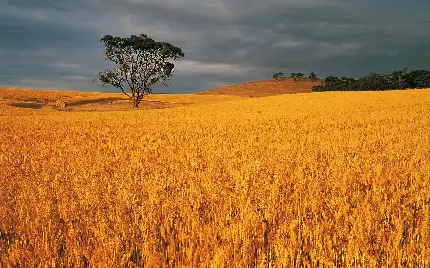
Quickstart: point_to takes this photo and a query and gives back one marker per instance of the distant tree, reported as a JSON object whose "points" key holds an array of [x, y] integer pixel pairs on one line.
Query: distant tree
{"points": [[418, 79], [398, 80], [140, 63], [278, 75], [313, 76], [294, 76], [319, 88], [374, 81], [299, 76]]}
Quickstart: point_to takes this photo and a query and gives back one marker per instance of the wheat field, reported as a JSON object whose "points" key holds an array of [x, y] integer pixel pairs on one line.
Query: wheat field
{"points": [[306, 180]]}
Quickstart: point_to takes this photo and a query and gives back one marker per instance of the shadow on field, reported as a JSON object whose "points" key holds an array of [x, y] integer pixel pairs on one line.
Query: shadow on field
{"points": [[98, 101], [99, 105], [116, 104], [27, 105]]}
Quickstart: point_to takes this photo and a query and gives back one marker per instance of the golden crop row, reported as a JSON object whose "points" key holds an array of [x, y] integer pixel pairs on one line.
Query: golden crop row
{"points": [[333, 179]]}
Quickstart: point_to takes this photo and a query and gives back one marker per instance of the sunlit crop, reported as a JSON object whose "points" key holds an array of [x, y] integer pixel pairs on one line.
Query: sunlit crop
{"points": [[306, 180]]}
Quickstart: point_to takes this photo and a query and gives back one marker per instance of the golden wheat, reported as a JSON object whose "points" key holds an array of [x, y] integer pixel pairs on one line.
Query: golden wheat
{"points": [[313, 180]]}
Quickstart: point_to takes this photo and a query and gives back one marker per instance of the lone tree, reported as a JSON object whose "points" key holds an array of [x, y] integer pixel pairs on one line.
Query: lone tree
{"points": [[299, 76], [278, 75], [313, 76], [140, 63], [294, 76]]}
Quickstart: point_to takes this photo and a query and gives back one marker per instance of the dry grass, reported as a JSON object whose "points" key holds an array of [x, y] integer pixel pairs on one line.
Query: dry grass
{"points": [[194, 98], [264, 88], [333, 179], [45, 100], [33, 95], [29, 102]]}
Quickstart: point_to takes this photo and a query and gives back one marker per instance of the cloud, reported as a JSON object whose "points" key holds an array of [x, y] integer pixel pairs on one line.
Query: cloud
{"points": [[218, 84], [76, 77], [55, 43], [188, 67], [58, 83], [38, 15], [287, 44]]}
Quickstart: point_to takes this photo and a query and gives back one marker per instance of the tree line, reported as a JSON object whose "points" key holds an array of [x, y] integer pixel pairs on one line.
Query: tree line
{"points": [[401, 79], [296, 76]]}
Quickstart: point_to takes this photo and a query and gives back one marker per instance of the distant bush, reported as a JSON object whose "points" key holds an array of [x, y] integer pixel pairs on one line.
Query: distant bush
{"points": [[402, 79]]}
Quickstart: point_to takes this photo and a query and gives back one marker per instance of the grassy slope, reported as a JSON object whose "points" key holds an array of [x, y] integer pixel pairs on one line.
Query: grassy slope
{"points": [[264, 88]]}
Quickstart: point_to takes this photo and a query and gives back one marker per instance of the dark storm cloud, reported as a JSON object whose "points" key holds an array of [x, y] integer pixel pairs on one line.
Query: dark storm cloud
{"points": [[54, 43], [49, 5], [23, 34]]}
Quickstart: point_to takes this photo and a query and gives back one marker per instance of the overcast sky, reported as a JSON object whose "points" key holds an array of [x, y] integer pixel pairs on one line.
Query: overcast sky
{"points": [[55, 43]]}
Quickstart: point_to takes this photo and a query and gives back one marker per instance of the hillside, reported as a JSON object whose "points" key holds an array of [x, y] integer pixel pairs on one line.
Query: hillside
{"points": [[264, 88]]}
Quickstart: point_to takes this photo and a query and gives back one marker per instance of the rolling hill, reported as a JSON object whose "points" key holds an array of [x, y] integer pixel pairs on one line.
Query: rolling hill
{"points": [[264, 88]]}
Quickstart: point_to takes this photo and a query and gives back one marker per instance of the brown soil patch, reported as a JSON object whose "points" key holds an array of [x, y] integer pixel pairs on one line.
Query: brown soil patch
{"points": [[264, 88]]}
